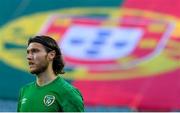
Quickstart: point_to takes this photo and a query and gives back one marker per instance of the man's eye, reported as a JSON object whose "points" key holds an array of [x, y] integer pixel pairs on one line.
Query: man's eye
{"points": [[35, 50]]}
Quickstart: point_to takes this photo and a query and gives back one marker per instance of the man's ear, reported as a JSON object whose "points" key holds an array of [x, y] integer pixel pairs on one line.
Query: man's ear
{"points": [[51, 55]]}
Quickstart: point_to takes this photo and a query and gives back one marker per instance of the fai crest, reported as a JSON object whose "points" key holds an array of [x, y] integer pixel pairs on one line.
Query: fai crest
{"points": [[49, 100]]}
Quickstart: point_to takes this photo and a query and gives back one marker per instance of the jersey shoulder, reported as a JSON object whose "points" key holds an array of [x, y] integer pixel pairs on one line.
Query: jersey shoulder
{"points": [[27, 86], [67, 88], [72, 99]]}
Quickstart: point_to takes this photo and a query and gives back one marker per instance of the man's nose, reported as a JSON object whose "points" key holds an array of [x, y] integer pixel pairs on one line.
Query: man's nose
{"points": [[29, 56]]}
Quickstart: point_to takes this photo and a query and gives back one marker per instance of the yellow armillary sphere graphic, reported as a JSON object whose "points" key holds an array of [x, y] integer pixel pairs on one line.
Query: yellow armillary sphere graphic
{"points": [[135, 43]]}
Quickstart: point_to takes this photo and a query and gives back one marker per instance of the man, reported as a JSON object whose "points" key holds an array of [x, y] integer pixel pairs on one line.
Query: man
{"points": [[50, 92]]}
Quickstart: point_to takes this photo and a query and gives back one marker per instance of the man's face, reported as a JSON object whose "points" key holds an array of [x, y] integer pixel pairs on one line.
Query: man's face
{"points": [[37, 58]]}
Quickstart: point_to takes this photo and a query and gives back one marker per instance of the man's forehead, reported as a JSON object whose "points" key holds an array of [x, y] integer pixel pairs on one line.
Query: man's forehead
{"points": [[34, 45]]}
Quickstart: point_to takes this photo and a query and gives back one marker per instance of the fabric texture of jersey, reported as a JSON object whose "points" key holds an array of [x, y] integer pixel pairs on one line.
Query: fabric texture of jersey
{"points": [[53, 97]]}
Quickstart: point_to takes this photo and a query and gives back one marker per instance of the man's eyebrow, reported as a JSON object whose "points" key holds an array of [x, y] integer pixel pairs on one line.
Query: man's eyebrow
{"points": [[32, 49]]}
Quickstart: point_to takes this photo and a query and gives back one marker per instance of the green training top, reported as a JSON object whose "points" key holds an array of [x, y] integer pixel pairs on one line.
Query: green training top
{"points": [[53, 97]]}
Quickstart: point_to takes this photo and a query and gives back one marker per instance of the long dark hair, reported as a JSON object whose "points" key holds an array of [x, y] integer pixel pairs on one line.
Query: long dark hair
{"points": [[50, 45]]}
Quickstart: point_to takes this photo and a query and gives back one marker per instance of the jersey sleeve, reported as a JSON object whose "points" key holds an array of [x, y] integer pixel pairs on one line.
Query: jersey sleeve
{"points": [[73, 101]]}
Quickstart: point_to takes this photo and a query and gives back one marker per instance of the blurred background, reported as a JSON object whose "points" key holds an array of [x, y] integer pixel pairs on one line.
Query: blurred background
{"points": [[123, 55]]}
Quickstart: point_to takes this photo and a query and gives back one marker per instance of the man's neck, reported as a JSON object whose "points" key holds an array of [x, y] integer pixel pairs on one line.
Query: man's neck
{"points": [[45, 78]]}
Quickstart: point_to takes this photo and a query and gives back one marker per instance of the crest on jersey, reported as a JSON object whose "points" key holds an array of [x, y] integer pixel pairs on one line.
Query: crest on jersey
{"points": [[49, 100]]}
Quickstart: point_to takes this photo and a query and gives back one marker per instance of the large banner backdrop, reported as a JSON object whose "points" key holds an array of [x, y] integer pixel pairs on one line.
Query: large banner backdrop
{"points": [[117, 53]]}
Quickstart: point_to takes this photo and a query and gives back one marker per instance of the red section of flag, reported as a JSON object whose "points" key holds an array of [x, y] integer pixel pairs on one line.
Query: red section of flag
{"points": [[171, 7], [159, 92]]}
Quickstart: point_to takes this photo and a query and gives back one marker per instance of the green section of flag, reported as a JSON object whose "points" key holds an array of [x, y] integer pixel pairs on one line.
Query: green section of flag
{"points": [[11, 9]]}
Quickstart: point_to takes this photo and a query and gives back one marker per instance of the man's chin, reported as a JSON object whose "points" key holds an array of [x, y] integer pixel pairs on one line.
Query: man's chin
{"points": [[33, 71], [37, 71]]}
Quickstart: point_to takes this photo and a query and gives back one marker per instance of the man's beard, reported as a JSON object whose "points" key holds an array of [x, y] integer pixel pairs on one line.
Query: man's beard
{"points": [[40, 70]]}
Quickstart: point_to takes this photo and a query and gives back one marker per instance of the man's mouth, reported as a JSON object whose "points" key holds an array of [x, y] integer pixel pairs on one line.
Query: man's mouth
{"points": [[31, 63]]}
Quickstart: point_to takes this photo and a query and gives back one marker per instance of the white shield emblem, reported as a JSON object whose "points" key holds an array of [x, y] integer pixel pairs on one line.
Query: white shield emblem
{"points": [[49, 100]]}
